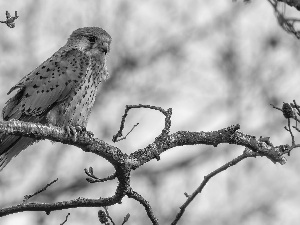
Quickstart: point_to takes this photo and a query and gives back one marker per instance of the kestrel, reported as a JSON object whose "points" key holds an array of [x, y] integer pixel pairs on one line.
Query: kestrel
{"points": [[61, 91]]}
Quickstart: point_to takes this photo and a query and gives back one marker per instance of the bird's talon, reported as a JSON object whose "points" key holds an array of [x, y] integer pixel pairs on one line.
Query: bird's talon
{"points": [[80, 129], [68, 131], [72, 132], [84, 131], [90, 134]]}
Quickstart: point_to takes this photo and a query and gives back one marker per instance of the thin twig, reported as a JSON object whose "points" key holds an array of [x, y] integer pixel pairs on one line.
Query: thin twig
{"points": [[65, 219], [290, 131], [206, 179], [123, 138], [133, 194], [290, 111], [26, 197], [286, 24], [126, 218], [296, 128], [164, 132], [108, 216], [276, 107], [167, 113], [296, 107], [93, 179]]}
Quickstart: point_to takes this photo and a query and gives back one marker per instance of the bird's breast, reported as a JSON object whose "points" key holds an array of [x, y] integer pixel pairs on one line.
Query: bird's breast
{"points": [[76, 108]]}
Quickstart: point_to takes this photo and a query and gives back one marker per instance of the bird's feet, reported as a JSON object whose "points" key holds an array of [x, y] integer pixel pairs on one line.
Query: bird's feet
{"points": [[84, 131], [73, 131]]}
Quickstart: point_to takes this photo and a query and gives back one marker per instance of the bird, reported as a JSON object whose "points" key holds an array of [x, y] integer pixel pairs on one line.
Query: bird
{"points": [[61, 91]]}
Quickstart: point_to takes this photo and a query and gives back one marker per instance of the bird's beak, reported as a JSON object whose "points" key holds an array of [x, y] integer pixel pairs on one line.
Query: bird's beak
{"points": [[105, 47]]}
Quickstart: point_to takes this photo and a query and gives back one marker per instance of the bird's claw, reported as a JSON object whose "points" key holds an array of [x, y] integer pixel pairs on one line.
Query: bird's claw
{"points": [[73, 131], [83, 130], [80, 129], [90, 134]]}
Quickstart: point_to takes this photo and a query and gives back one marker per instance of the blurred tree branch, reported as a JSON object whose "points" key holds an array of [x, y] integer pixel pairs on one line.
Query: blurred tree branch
{"points": [[10, 20], [292, 3], [287, 24], [124, 164]]}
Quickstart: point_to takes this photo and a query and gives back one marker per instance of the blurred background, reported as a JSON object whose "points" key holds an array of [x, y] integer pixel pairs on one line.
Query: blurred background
{"points": [[215, 63]]}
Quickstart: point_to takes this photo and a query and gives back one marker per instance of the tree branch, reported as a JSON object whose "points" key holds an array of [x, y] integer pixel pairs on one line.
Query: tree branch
{"points": [[65, 219], [167, 114], [87, 144], [247, 153], [26, 197], [93, 179], [10, 20], [228, 135], [133, 194], [292, 3], [48, 207], [124, 163]]}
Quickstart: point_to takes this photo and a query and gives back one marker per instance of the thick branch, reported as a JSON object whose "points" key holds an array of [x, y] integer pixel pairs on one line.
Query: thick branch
{"points": [[124, 163], [228, 135], [57, 134], [48, 207], [87, 144]]}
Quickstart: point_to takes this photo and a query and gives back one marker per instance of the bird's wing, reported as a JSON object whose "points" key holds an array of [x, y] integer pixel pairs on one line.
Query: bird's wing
{"points": [[47, 85]]}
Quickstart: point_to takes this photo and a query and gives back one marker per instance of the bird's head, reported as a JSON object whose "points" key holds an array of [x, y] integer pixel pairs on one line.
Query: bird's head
{"points": [[94, 41]]}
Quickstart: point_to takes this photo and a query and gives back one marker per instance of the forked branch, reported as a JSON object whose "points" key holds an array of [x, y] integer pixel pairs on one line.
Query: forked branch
{"points": [[124, 164]]}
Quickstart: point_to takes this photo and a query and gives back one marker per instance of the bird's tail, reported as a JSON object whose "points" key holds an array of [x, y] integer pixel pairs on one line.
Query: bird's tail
{"points": [[11, 146]]}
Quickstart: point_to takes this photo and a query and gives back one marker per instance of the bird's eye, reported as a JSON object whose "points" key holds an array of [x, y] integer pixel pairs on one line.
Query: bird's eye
{"points": [[92, 39]]}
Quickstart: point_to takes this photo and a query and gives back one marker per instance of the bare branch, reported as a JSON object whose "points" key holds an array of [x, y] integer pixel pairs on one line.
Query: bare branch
{"points": [[124, 163], [190, 198], [290, 131], [123, 138], [287, 24], [276, 107], [167, 113], [58, 134], [93, 179], [292, 3], [297, 108], [26, 197], [65, 219], [87, 144], [226, 135], [48, 207], [290, 112], [132, 194]]}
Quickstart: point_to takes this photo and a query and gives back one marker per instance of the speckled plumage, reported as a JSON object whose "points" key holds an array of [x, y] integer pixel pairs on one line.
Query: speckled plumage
{"points": [[61, 91]]}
